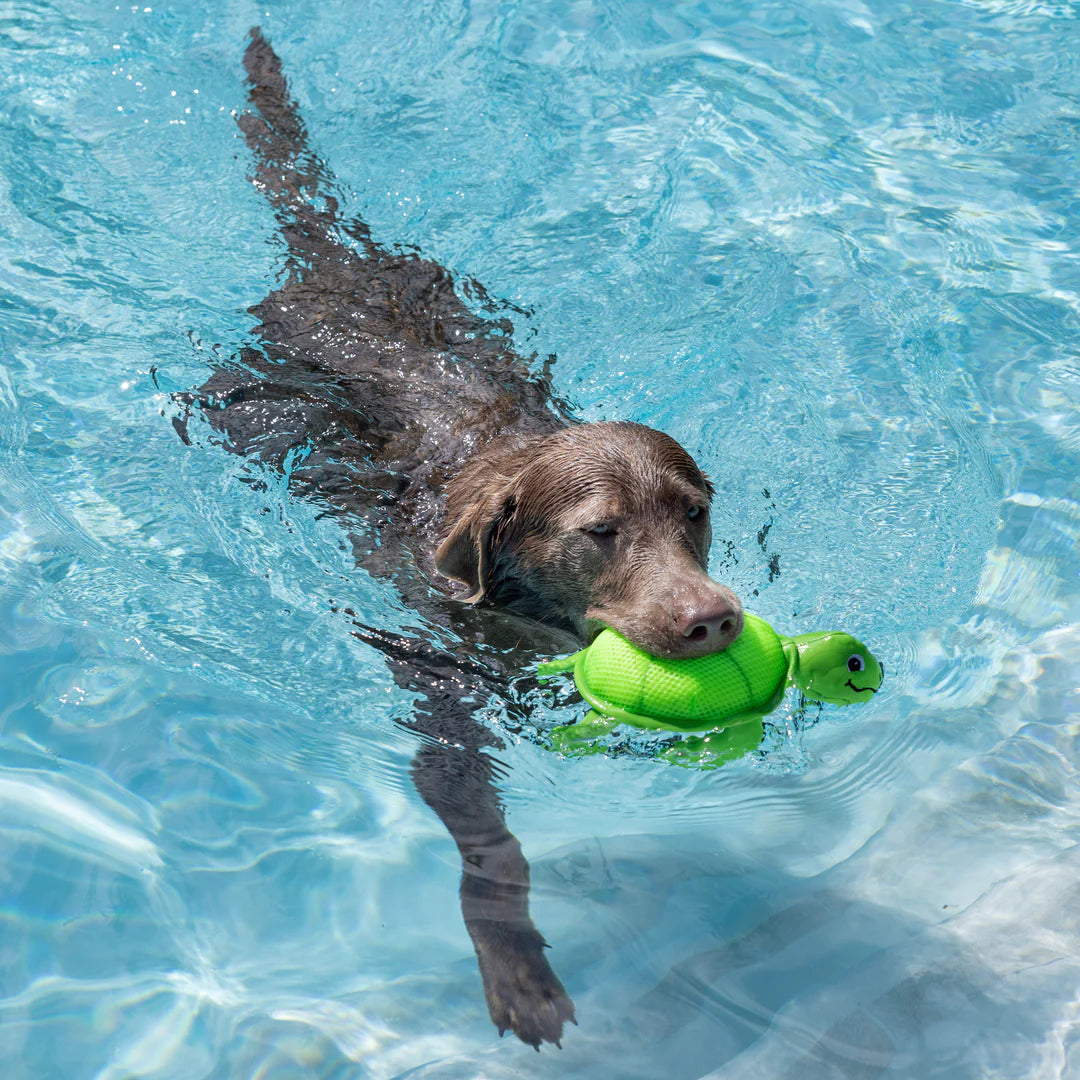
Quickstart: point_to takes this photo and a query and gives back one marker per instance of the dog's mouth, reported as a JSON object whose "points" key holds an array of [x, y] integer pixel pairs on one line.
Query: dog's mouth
{"points": [[682, 647], [594, 627]]}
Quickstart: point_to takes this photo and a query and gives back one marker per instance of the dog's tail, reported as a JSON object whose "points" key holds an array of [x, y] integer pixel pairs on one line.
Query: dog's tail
{"points": [[295, 181]]}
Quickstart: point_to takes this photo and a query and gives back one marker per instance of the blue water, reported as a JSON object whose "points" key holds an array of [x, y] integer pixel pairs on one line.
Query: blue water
{"points": [[832, 248]]}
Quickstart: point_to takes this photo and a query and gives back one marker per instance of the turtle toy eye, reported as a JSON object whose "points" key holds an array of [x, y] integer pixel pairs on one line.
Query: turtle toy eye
{"points": [[855, 662]]}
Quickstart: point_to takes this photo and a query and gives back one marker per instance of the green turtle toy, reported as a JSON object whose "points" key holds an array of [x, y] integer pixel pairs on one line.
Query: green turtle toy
{"points": [[725, 694]]}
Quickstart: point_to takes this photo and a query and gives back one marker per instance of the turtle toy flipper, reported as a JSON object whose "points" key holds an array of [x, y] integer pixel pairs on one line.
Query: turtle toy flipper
{"points": [[718, 692]]}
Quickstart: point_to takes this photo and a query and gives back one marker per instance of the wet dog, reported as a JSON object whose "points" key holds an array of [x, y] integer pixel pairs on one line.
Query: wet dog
{"points": [[399, 408]]}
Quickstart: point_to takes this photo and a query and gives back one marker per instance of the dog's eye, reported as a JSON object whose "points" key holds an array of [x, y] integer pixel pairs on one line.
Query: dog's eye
{"points": [[855, 662], [601, 528], [695, 511]]}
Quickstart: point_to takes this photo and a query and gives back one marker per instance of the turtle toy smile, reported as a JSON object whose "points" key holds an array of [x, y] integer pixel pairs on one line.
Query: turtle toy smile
{"points": [[725, 694]]}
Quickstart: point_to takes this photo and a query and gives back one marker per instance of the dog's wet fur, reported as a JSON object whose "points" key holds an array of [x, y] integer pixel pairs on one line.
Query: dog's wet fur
{"points": [[398, 407]]}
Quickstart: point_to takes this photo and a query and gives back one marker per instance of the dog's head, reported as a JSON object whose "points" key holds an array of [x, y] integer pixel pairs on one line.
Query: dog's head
{"points": [[593, 525]]}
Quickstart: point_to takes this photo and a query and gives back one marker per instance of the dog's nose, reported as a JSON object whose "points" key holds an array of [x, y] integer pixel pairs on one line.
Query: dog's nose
{"points": [[711, 626]]}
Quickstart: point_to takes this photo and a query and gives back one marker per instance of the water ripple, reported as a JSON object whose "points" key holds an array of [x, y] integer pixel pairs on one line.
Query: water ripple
{"points": [[81, 818]]}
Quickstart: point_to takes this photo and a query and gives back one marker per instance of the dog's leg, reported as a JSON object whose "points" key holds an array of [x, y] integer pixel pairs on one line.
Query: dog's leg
{"points": [[456, 777], [523, 993]]}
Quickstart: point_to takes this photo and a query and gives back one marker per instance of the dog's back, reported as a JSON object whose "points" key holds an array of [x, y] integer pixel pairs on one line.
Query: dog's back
{"points": [[373, 381]]}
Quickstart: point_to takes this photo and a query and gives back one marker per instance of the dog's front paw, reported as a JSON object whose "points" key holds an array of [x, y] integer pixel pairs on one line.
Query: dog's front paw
{"points": [[523, 994]]}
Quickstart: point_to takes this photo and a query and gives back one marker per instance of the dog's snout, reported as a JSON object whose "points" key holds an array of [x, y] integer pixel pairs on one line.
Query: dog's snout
{"points": [[711, 624]]}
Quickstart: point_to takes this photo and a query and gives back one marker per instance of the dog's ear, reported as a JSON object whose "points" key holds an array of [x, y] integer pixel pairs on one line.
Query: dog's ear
{"points": [[469, 550]]}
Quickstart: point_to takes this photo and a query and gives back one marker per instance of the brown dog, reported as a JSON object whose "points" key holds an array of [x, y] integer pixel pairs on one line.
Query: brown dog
{"points": [[395, 405]]}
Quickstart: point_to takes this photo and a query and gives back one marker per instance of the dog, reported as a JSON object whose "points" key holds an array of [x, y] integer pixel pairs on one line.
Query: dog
{"points": [[396, 406]]}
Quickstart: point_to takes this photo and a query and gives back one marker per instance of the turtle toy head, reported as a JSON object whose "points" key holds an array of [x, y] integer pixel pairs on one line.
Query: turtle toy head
{"points": [[834, 667]]}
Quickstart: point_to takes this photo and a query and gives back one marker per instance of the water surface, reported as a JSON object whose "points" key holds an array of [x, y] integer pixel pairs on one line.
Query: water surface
{"points": [[831, 247]]}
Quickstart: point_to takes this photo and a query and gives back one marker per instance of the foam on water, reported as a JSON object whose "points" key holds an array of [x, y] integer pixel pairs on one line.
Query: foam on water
{"points": [[828, 246]]}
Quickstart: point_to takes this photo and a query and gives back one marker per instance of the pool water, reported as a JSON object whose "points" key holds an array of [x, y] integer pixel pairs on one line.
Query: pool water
{"points": [[832, 248]]}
